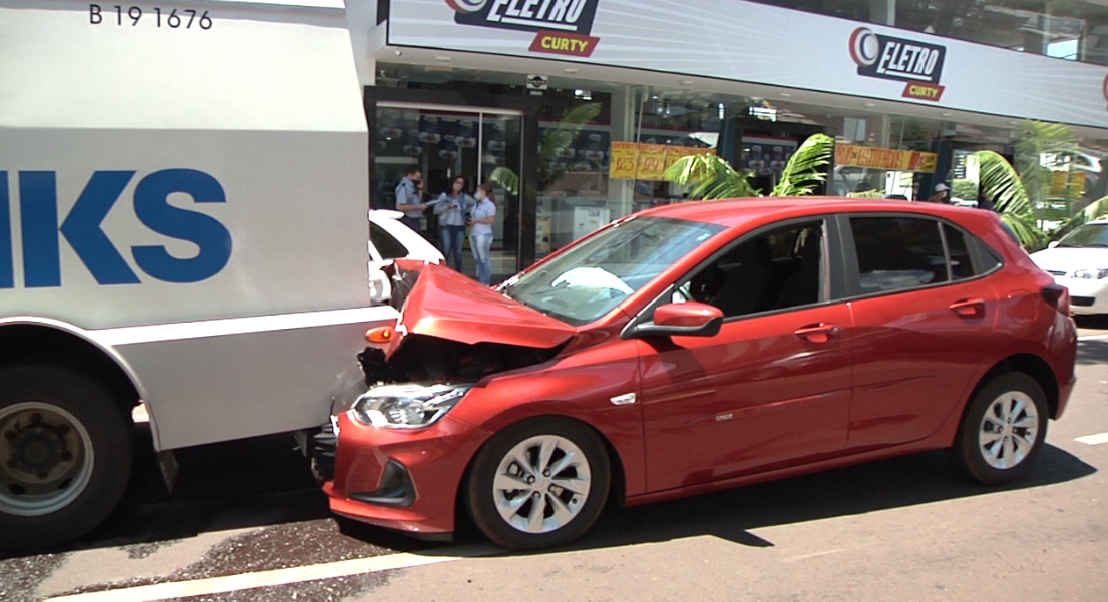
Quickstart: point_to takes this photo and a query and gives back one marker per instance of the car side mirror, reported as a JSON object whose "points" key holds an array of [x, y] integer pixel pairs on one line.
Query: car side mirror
{"points": [[1053, 243], [683, 319]]}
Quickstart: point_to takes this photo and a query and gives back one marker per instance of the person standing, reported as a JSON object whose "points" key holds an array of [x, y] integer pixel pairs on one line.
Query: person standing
{"points": [[409, 199], [480, 237], [451, 208], [941, 193]]}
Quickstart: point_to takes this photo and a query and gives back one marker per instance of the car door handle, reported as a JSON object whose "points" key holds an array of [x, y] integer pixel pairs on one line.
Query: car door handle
{"points": [[818, 333], [968, 307]]}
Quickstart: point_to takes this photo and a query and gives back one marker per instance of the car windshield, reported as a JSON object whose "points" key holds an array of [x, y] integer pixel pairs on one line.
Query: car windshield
{"points": [[1089, 235], [590, 279]]}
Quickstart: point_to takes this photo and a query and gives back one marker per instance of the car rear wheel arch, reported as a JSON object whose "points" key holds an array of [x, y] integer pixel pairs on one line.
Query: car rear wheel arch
{"points": [[1031, 365]]}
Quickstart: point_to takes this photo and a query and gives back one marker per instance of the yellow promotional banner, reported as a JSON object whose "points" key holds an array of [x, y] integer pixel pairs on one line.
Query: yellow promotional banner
{"points": [[625, 160], [652, 162], [885, 158], [673, 153], [648, 161], [1064, 182]]}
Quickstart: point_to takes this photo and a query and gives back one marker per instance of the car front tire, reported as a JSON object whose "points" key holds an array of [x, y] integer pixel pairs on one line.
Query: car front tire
{"points": [[1003, 430], [538, 484]]}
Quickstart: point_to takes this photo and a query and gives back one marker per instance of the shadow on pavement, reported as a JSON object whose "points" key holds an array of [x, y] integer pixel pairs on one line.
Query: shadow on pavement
{"points": [[263, 482], [1092, 352], [235, 485], [894, 483]]}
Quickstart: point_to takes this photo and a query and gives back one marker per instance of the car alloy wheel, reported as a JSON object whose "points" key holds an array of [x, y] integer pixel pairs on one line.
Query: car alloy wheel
{"points": [[1009, 430], [538, 483], [542, 484], [1003, 429]]}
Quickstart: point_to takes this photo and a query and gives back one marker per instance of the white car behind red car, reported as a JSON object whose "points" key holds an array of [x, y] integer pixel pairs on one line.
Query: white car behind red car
{"points": [[1079, 261]]}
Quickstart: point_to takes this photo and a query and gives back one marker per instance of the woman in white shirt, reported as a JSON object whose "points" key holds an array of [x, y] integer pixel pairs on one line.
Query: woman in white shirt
{"points": [[480, 236]]}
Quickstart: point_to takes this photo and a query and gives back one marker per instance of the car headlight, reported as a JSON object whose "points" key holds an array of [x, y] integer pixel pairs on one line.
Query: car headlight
{"points": [[1091, 274], [407, 406]]}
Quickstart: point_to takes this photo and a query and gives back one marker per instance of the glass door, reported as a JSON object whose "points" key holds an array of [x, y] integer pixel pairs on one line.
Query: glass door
{"points": [[444, 142]]}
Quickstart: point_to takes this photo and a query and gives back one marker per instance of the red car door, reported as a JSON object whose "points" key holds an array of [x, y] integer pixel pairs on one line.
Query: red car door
{"points": [[771, 389], [923, 328]]}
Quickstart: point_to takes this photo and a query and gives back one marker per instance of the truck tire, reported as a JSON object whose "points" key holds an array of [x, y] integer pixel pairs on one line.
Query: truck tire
{"points": [[65, 455]]}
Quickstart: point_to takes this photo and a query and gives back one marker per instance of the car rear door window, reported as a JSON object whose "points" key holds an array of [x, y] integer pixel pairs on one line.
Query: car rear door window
{"points": [[385, 243], [961, 260], [898, 253]]}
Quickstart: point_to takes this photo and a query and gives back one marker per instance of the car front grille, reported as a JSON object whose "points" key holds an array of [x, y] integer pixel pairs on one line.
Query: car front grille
{"points": [[1057, 272], [1082, 301]]}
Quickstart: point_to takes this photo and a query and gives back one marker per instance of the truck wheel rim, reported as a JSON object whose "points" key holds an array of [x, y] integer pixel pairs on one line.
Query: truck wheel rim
{"points": [[46, 459], [1009, 430], [542, 484]]}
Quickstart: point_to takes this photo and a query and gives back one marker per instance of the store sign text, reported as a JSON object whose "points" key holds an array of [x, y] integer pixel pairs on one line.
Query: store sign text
{"points": [[886, 57], [553, 42], [529, 15], [561, 26], [41, 231]]}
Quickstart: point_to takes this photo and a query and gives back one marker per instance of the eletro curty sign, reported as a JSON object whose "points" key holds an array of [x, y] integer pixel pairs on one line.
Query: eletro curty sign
{"points": [[560, 26], [918, 63]]}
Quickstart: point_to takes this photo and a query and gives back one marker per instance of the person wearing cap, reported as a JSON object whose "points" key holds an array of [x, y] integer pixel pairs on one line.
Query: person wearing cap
{"points": [[941, 195]]}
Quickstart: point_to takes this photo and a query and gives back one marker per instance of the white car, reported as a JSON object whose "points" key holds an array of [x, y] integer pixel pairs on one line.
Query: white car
{"points": [[390, 239], [1079, 261]]}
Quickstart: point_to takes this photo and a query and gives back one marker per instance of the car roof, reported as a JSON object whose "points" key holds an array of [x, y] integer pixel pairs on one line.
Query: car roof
{"points": [[735, 212]]}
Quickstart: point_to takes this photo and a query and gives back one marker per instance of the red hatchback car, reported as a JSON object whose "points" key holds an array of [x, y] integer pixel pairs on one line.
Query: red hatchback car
{"points": [[697, 347]]}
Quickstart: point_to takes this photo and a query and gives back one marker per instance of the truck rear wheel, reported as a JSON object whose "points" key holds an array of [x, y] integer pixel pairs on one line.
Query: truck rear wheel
{"points": [[65, 455]]}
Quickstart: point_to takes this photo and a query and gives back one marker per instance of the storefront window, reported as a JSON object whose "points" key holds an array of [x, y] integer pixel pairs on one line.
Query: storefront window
{"points": [[575, 135], [866, 10]]}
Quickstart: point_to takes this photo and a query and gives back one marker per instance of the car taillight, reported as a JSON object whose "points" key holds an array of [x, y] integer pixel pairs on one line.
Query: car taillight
{"points": [[1058, 297]]}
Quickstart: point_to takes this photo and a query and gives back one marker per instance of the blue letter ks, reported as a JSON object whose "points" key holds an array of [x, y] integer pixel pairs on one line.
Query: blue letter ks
{"points": [[38, 204]]}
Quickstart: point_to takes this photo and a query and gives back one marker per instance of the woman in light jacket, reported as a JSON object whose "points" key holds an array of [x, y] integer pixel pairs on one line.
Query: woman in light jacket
{"points": [[451, 208], [480, 236]]}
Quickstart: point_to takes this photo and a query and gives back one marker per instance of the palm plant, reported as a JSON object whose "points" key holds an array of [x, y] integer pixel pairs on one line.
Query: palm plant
{"points": [[1025, 194], [712, 177], [554, 141]]}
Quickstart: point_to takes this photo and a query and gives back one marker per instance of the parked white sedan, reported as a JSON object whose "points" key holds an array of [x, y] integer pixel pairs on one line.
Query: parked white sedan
{"points": [[1079, 261], [390, 239]]}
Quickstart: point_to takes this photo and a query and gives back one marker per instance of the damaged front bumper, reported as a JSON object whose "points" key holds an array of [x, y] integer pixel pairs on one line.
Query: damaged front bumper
{"points": [[399, 479]]}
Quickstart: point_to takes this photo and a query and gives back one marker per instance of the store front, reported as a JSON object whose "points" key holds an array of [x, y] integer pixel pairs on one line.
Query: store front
{"points": [[546, 98]]}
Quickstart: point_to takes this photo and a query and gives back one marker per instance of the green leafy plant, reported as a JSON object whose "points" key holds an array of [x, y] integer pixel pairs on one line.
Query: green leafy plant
{"points": [[554, 141], [1025, 194], [712, 177], [963, 189]]}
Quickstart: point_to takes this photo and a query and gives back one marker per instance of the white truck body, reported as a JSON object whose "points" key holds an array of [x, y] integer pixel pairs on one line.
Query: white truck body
{"points": [[191, 200]]}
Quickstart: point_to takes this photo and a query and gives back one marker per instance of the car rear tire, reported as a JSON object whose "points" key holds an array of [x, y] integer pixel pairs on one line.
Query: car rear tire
{"points": [[1003, 430], [65, 455], [539, 484]]}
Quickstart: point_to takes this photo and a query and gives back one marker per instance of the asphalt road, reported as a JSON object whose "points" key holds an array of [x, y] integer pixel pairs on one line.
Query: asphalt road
{"points": [[246, 516]]}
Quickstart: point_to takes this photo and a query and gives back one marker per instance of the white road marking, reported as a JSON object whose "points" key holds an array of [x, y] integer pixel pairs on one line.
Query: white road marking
{"points": [[1093, 337], [815, 554], [231, 583], [1096, 439]]}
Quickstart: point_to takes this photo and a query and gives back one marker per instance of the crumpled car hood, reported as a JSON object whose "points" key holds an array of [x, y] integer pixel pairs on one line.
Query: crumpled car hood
{"points": [[444, 304]]}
